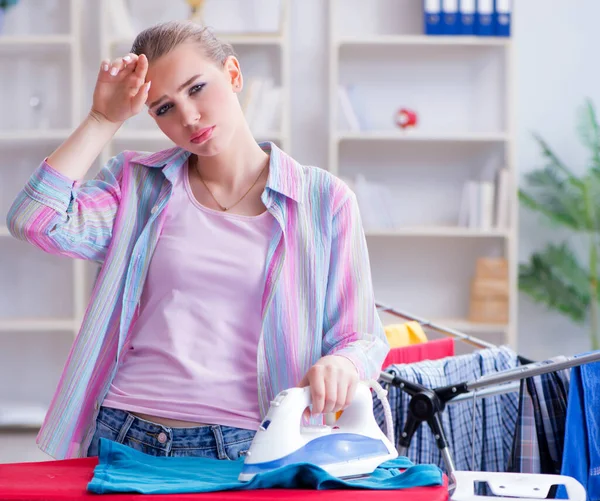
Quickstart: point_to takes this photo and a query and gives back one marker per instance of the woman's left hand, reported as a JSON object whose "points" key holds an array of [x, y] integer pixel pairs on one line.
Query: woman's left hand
{"points": [[332, 382]]}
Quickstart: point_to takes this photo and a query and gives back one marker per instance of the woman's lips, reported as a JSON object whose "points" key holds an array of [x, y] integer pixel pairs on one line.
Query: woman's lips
{"points": [[202, 135]]}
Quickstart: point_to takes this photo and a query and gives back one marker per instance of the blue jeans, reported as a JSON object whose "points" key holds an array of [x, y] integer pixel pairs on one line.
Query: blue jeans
{"points": [[211, 441]]}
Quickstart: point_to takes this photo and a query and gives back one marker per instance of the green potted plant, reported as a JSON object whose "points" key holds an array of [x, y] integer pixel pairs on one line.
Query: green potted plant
{"points": [[555, 276]]}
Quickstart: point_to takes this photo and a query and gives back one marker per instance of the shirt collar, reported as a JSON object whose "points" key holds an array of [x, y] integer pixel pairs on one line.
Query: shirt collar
{"points": [[284, 172]]}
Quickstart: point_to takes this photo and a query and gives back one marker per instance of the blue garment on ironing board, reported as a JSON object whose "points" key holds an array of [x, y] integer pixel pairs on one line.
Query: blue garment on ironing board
{"points": [[123, 469], [581, 454]]}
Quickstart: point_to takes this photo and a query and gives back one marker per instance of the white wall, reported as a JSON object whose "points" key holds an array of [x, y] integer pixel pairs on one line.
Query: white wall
{"points": [[556, 69]]}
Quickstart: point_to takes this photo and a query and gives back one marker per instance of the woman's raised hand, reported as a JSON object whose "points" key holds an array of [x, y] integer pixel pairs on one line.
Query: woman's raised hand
{"points": [[121, 90]]}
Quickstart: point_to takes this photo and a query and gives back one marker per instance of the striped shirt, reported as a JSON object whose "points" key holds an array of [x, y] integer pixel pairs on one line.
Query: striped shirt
{"points": [[317, 299]]}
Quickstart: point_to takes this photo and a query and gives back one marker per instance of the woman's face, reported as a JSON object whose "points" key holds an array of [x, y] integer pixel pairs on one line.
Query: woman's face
{"points": [[193, 99]]}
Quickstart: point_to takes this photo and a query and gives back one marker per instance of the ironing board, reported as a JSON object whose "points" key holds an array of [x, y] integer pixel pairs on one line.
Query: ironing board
{"points": [[67, 480]]}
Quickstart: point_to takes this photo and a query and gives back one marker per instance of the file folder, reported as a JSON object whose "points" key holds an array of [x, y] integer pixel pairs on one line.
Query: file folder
{"points": [[484, 18], [503, 17], [466, 17], [450, 25], [432, 13]]}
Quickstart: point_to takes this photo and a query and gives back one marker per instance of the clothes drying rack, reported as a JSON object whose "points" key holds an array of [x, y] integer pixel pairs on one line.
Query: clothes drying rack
{"points": [[427, 404]]}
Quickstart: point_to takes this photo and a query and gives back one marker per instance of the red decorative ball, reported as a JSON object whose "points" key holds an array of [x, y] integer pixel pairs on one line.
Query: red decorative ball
{"points": [[406, 118]]}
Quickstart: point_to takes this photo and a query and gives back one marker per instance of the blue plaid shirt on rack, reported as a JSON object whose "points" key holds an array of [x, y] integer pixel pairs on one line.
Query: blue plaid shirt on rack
{"points": [[540, 431], [492, 431]]}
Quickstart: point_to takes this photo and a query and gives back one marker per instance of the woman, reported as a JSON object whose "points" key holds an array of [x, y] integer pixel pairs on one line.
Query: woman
{"points": [[229, 271]]}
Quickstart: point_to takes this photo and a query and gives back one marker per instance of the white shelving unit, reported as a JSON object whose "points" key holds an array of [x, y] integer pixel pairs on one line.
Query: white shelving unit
{"points": [[438, 231], [460, 88], [420, 40], [261, 55], [378, 135], [38, 317], [42, 40]]}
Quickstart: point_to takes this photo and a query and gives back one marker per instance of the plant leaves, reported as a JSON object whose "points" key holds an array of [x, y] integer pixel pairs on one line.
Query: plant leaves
{"points": [[555, 278], [555, 162], [589, 133]]}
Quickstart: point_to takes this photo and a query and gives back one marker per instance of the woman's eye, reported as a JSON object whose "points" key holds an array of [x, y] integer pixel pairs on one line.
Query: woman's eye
{"points": [[196, 88], [163, 109]]}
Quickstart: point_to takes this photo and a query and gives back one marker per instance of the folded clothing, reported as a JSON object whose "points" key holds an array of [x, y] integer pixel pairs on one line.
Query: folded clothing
{"points": [[122, 469], [405, 334]]}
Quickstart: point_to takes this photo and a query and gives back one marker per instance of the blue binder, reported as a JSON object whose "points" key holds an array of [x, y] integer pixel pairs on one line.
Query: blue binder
{"points": [[450, 18], [432, 16], [503, 10], [485, 25], [466, 16]]}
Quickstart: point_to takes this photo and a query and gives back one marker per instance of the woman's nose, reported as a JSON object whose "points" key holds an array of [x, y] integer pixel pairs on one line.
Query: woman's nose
{"points": [[189, 115]]}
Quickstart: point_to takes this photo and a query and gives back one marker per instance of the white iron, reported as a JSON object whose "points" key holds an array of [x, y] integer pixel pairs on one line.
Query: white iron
{"points": [[354, 446]]}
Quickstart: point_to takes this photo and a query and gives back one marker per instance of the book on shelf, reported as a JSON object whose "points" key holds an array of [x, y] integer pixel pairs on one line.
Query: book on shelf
{"points": [[261, 103], [347, 118], [375, 203], [351, 113], [484, 205], [467, 17]]}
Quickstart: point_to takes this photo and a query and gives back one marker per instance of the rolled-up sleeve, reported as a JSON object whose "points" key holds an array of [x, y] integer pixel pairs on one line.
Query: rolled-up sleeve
{"points": [[66, 217], [352, 327]]}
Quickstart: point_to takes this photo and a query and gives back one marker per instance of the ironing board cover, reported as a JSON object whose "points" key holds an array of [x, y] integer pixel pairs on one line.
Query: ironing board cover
{"points": [[67, 480]]}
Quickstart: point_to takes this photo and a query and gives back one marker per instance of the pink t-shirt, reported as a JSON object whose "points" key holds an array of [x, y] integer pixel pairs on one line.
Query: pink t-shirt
{"points": [[192, 351]]}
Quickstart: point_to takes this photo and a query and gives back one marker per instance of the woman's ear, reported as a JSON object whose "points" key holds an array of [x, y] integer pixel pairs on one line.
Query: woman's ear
{"points": [[234, 73]]}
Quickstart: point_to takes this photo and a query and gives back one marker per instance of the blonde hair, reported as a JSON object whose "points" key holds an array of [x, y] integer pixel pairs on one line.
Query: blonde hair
{"points": [[160, 39]]}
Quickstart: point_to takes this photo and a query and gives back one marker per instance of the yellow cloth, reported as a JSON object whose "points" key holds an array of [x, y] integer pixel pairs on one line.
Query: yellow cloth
{"points": [[405, 334]]}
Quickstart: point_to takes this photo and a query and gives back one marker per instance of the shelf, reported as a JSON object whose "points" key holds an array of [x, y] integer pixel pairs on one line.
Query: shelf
{"points": [[35, 135], [413, 40], [36, 325], [157, 135], [259, 39], [17, 416], [438, 231], [44, 40], [466, 327], [420, 136], [4, 232]]}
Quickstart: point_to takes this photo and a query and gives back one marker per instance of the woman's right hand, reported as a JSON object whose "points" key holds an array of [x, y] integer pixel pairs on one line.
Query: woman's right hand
{"points": [[120, 91]]}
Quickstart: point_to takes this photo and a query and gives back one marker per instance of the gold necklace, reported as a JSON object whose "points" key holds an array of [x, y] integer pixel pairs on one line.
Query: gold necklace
{"points": [[223, 208]]}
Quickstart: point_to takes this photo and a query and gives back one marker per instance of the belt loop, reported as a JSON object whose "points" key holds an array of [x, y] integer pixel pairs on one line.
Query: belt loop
{"points": [[125, 427], [218, 433]]}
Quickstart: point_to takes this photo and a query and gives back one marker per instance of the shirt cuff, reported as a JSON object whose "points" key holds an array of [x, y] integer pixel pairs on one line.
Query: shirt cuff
{"points": [[51, 188], [350, 354]]}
